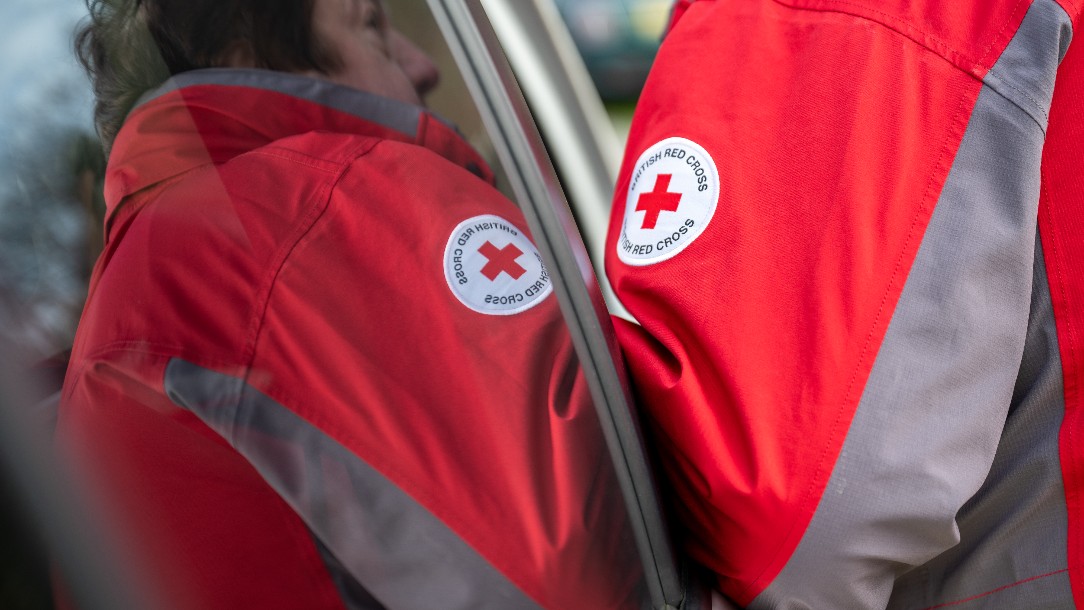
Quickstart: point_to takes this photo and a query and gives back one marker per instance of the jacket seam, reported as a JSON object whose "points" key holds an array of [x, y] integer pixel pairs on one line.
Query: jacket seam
{"points": [[998, 72], [958, 59], [311, 219], [1059, 293], [960, 116], [317, 419], [931, 42], [135, 346], [301, 158], [996, 88], [1073, 5], [997, 590], [125, 206]]}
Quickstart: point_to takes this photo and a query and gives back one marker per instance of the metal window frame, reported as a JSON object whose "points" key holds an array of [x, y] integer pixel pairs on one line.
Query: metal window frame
{"points": [[477, 50]]}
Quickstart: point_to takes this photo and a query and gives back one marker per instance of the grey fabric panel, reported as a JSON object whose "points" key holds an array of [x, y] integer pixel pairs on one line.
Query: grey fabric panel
{"points": [[354, 596], [1022, 73], [393, 114], [930, 418], [397, 550], [1015, 529]]}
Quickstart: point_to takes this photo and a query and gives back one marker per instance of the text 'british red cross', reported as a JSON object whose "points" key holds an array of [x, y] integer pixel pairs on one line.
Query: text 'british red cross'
{"points": [[501, 260], [657, 201]]}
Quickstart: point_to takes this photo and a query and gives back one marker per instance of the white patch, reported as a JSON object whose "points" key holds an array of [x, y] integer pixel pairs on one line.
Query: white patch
{"points": [[493, 268], [672, 196]]}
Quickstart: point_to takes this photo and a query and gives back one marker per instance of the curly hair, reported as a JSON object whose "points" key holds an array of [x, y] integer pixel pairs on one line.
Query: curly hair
{"points": [[129, 47]]}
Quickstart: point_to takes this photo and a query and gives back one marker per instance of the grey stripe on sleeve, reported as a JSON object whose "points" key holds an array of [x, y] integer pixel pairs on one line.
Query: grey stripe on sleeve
{"points": [[398, 551], [1014, 549], [932, 413]]}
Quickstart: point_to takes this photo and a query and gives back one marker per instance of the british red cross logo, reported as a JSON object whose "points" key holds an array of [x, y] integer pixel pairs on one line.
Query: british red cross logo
{"points": [[657, 201], [501, 260]]}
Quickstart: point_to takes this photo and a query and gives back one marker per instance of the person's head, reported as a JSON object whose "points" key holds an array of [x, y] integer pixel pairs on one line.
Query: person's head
{"points": [[132, 46], [369, 54]]}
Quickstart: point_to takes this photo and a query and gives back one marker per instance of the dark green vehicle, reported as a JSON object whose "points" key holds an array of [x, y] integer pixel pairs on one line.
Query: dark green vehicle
{"points": [[618, 40]]}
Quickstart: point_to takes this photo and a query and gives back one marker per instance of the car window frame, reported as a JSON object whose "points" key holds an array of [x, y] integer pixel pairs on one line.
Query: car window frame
{"points": [[492, 81]]}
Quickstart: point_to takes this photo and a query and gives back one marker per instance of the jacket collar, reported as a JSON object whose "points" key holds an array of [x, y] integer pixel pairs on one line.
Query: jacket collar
{"points": [[210, 116]]}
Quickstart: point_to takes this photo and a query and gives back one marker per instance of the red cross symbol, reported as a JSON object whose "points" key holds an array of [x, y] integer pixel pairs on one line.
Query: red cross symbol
{"points": [[501, 259], [657, 201]]}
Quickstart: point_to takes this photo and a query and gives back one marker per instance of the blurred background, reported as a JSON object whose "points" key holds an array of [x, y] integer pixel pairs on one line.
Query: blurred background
{"points": [[50, 168], [618, 40], [51, 207], [49, 158]]}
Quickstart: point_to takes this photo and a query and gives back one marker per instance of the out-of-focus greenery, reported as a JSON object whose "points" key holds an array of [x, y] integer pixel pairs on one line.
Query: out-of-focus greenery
{"points": [[50, 232], [621, 116], [618, 40]]}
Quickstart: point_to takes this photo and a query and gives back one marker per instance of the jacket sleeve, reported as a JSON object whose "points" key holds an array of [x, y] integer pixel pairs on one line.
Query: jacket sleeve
{"points": [[444, 455], [826, 226]]}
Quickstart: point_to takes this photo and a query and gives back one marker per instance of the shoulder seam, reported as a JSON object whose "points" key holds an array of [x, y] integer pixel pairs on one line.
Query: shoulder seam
{"points": [[976, 67], [317, 208]]}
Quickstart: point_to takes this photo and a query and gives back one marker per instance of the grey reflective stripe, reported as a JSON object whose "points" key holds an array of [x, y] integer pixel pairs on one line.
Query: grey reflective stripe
{"points": [[393, 114], [930, 418], [397, 550], [353, 595], [1024, 72], [1014, 533]]}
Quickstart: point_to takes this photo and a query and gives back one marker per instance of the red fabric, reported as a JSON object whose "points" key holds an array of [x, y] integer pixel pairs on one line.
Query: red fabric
{"points": [[969, 34], [757, 339], [1061, 225], [308, 261], [1075, 10], [199, 527]]}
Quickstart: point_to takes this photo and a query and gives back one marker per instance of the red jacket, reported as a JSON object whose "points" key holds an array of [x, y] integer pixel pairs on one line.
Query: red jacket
{"points": [[320, 366], [850, 231]]}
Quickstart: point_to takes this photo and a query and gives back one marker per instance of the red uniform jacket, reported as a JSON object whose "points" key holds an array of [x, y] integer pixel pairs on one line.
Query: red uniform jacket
{"points": [[850, 231], [321, 366]]}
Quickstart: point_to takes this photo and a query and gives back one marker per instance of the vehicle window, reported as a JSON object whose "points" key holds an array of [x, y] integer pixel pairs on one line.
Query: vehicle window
{"points": [[420, 352]]}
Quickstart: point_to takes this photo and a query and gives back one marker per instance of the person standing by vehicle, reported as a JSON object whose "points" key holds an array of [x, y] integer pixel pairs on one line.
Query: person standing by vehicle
{"points": [[320, 365], [849, 231]]}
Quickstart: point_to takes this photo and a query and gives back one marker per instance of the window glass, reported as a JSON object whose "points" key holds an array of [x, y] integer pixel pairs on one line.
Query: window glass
{"points": [[407, 345], [451, 99]]}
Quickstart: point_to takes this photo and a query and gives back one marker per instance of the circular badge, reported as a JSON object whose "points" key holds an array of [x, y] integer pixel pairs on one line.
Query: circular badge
{"points": [[493, 268], [672, 196]]}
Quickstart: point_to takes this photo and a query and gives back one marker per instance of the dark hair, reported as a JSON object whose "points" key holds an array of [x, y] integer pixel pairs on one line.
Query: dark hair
{"points": [[129, 47]]}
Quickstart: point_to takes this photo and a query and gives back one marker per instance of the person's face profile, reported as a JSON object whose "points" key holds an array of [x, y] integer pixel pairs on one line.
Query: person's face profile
{"points": [[372, 55]]}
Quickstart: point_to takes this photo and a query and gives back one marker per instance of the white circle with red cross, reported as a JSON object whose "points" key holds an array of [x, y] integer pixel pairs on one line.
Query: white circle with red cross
{"points": [[673, 191], [493, 268]]}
